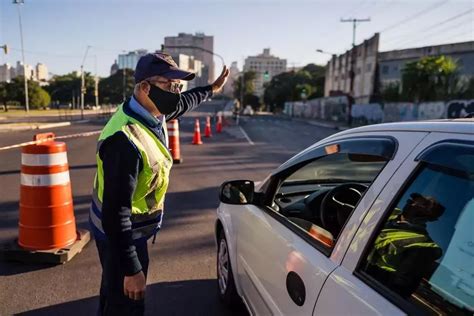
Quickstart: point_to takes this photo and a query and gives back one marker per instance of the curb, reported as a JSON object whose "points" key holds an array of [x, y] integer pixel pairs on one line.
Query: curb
{"points": [[40, 126]]}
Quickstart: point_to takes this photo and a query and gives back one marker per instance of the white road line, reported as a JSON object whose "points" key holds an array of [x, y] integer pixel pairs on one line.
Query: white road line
{"points": [[246, 136]]}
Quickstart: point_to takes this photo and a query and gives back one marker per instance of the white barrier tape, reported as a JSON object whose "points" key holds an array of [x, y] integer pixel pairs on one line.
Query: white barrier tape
{"points": [[173, 133], [41, 180], [37, 142], [44, 159]]}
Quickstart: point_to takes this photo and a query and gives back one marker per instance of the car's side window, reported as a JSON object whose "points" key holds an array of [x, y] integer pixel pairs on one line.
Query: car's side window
{"points": [[320, 194], [423, 254]]}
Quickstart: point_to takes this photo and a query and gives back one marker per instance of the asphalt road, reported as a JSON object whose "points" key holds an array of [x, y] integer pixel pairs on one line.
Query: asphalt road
{"points": [[182, 276]]}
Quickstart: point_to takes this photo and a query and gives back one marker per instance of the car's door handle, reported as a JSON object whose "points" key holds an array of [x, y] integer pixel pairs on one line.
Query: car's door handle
{"points": [[296, 288]]}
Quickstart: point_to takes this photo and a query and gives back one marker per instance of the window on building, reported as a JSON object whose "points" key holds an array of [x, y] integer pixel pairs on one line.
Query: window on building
{"points": [[423, 254], [385, 69], [368, 67], [358, 71]]}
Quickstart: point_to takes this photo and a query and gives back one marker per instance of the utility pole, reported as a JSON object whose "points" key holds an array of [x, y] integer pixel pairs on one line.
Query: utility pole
{"points": [[124, 84], [354, 22], [27, 102], [83, 88], [96, 85]]}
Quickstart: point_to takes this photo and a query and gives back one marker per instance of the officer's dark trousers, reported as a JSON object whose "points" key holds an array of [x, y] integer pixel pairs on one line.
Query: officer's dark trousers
{"points": [[112, 299]]}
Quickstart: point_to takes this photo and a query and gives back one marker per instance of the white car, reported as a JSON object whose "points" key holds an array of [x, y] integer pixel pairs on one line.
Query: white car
{"points": [[376, 220]]}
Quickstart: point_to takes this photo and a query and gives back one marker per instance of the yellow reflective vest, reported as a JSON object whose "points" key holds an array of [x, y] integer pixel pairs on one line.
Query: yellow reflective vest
{"points": [[152, 182]]}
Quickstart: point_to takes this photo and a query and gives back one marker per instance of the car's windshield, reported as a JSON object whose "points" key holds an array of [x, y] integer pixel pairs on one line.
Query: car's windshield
{"points": [[338, 168]]}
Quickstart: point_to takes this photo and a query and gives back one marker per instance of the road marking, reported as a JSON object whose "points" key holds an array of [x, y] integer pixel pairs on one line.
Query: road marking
{"points": [[246, 136]]}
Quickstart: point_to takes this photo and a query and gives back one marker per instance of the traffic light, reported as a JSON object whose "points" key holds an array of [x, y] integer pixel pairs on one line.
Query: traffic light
{"points": [[266, 75], [5, 49]]}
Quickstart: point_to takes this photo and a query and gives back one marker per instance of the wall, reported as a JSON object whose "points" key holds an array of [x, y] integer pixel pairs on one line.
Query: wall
{"points": [[335, 109]]}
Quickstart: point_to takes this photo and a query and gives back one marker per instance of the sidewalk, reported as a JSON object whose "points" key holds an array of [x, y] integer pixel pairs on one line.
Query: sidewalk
{"points": [[26, 126]]}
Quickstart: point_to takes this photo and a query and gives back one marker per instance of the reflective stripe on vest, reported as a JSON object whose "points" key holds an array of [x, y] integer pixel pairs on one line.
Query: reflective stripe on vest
{"points": [[391, 243], [152, 181]]}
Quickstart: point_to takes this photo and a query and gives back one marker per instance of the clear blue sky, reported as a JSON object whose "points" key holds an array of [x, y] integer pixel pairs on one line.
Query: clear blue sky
{"points": [[56, 32]]}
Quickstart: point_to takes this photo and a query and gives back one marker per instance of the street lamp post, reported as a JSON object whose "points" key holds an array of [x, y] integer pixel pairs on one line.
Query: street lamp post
{"points": [[83, 88], [27, 103]]}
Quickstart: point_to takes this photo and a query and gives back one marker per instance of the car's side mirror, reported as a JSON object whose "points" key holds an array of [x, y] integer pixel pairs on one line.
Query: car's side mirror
{"points": [[237, 192]]}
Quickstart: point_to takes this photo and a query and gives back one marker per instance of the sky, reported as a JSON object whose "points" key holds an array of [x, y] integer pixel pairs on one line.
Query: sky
{"points": [[57, 32]]}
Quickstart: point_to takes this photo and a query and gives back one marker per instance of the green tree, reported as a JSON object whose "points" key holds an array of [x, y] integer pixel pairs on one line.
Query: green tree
{"points": [[62, 88], [111, 89], [391, 92], [4, 95], [248, 89], [307, 83], [38, 97], [430, 78]]}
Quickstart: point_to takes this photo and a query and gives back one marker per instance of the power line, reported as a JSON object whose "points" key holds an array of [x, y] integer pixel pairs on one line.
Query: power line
{"points": [[436, 25], [438, 32], [414, 16]]}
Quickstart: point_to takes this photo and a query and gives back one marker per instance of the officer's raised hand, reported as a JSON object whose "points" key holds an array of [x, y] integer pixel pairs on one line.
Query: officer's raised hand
{"points": [[219, 83]]}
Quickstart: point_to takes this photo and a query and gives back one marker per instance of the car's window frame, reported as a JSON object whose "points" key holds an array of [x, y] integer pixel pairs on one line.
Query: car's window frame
{"points": [[423, 163], [389, 148]]}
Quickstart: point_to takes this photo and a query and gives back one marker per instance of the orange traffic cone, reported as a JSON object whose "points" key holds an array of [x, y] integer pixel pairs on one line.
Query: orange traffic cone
{"points": [[207, 131], [197, 134], [219, 124], [47, 227], [173, 140]]}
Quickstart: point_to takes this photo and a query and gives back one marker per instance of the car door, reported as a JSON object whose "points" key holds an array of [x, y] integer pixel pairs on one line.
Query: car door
{"points": [[280, 267], [440, 169]]}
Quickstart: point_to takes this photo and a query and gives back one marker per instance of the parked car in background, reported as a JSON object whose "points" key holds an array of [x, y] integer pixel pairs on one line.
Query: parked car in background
{"points": [[373, 220]]}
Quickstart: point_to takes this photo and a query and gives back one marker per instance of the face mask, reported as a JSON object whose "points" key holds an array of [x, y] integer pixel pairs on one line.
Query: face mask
{"points": [[166, 102]]}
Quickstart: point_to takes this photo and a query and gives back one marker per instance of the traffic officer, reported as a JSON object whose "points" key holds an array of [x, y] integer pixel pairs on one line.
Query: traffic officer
{"points": [[133, 165], [404, 252]]}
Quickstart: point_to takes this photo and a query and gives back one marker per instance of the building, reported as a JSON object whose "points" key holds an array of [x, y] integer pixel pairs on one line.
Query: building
{"points": [[200, 46], [5, 73], [130, 59], [114, 68], [41, 72], [266, 66], [30, 71], [191, 64], [338, 71], [228, 89], [391, 63]]}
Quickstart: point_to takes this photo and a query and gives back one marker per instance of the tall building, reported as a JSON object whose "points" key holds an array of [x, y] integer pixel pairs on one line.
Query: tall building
{"points": [[201, 46], [338, 70], [266, 66], [5, 73], [228, 89], [191, 64], [391, 63], [41, 72], [130, 59], [29, 71]]}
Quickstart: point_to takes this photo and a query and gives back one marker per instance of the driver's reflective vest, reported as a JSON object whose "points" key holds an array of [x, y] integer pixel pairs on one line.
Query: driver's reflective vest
{"points": [[152, 181], [392, 242]]}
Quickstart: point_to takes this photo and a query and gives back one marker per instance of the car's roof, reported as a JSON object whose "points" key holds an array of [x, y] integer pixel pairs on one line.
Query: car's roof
{"points": [[463, 126]]}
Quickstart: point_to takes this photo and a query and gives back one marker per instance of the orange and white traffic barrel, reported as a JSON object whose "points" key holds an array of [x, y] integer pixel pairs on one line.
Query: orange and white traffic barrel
{"points": [[173, 140], [46, 208]]}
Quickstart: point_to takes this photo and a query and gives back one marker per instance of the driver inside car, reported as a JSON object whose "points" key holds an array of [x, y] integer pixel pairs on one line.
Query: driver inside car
{"points": [[404, 252]]}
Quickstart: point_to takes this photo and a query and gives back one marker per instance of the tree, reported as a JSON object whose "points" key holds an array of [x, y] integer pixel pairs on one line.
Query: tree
{"points": [[248, 89], [38, 97], [430, 78], [391, 92], [64, 87], [307, 83], [111, 89]]}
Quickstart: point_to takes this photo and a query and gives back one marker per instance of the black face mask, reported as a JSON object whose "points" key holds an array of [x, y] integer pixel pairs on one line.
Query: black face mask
{"points": [[166, 102]]}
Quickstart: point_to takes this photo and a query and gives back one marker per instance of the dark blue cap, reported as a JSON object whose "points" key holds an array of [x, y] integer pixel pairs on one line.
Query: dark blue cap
{"points": [[160, 64]]}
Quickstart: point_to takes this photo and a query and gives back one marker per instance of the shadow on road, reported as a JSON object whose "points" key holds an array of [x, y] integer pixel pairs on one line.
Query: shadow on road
{"points": [[191, 297]]}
